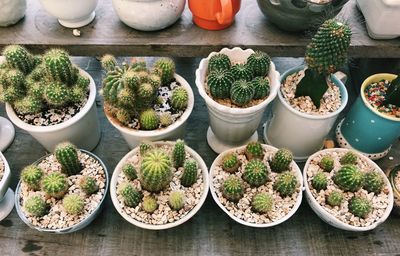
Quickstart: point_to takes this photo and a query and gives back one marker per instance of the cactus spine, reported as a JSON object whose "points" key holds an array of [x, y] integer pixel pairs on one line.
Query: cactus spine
{"points": [[261, 87], [178, 153], [176, 200], [242, 72], [242, 92], [286, 184], [149, 204], [219, 61], [262, 203], [349, 178], [254, 150], [320, 181], [255, 173], [55, 185], [31, 175], [360, 206], [129, 171], [73, 204], [189, 176], [373, 182], [36, 206], [335, 198], [259, 63], [155, 171], [233, 189], [220, 83], [327, 163], [67, 155], [349, 158], [130, 195], [88, 185], [230, 163], [281, 160]]}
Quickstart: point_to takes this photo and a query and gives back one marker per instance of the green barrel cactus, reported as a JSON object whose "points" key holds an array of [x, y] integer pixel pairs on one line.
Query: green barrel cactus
{"points": [[219, 61], [360, 206], [320, 181], [349, 178], [28, 105], [19, 58], [32, 175], [165, 69], [281, 160], [327, 163], [349, 158], [335, 198], [259, 63], [179, 98], [149, 120], [108, 62], [73, 204], [55, 185], [220, 82], [166, 119], [59, 66], [373, 182], [123, 116], [77, 94], [156, 171], [36, 206], [261, 87], [262, 203], [286, 184], [130, 195], [88, 185], [255, 173], [232, 188], [56, 94], [242, 92], [129, 171], [253, 150], [179, 153], [149, 204], [189, 176], [242, 72], [67, 155], [176, 200], [230, 163], [145, 91]]}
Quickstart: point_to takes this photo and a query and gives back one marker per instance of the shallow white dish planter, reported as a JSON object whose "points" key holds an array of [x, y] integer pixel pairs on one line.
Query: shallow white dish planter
{"points": [[114, 180], [83, 129], [174, 131], [7, 133], [330, 219], [11, 11], [71, 13], [149, 15], [233, 127], [296, 206], [6, 193]]}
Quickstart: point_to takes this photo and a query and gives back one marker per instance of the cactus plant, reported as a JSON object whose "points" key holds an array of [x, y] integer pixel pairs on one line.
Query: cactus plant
{"points": [[189, 176], [166, 119], [73, 204], [219, 61], [179, 98], [259, 63], [261, 87], [178, 153], [165, 68], [88, 185], [220, 83], [286, 184], [230, 163], [59, 66], [349, 178], [327, 163], [56, 94], [149, 204], [144, 147], [349, 158], [67, 155], [28, 105], [31, 175], [254, 150], [242, 72], [55, 185], [242, 92], [130, 195], [149, 120], [373, 182], [19, 58], [262, 203], [281, 160], [129, 171], [360, 206], [36, 206], [255, 173], [176, 200], [335, 198], [320, 181], [108, 62], [155, 171], [232, 189]]}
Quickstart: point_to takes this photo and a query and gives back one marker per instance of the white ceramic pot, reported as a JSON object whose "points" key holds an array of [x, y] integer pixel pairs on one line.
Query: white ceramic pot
{"points": [[114, 181], [330, 219], [85, 222], [149, 15], [6, 193], [174, 131], [11, 11], [297, 170], [382, 17], [83, 130], [71, 13], [233, 127], [301, 133]]}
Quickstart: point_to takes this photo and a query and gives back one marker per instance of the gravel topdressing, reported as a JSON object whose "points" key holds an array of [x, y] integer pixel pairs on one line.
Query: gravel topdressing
{"points": [[375, 94]]}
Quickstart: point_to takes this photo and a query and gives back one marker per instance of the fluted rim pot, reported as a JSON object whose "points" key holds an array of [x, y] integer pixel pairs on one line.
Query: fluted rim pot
{"points": [[11, 11]]}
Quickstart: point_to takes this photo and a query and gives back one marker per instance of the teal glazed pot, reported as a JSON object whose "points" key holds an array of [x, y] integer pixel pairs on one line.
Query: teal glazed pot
{"points": [[366, 129]]}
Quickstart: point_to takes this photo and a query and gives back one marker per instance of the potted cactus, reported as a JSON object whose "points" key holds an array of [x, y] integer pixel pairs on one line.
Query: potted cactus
{"points": [[256, 185], [394, 178], [311, 97], [6, 193], [146, 104], [11, 11], [49, 97], [63, 191], [237, 85], [159, 185], [347, 190]]}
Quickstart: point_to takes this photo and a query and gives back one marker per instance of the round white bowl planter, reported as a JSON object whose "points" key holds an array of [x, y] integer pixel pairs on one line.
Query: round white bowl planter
{"points": [[7, 133], [267, 148], [233, 127], [83, 223], [149, 15], [6, 193], [329, 218], [82, 130], [71, 13], [114, 180], [174, 131], [11, 11]]}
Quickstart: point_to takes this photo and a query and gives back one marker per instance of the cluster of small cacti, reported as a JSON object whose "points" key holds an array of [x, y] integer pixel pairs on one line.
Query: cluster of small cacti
{"points": [[131, 91], [240, 82], [34, 83]]}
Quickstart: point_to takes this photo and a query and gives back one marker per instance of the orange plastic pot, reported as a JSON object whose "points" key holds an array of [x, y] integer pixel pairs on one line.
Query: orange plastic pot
{"points": [[214, 14]]}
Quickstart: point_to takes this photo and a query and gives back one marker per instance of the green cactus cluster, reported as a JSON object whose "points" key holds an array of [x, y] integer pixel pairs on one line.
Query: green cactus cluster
{"points": [[360, 206], [67, 155], [327, 163], [155, 170], [232, 188], [335, 198], [189, 176], [176, 200], [262, 203], [88, 185], [129, 171], [320, 181], [281, 160], [55, 185], [253, 150], [349, 178], [73, 204], [149, 204], [230, 163], [373, 182], [286, 184], [32, 175], [36, 206], [349, 158], [130, 195], [255, 173]]}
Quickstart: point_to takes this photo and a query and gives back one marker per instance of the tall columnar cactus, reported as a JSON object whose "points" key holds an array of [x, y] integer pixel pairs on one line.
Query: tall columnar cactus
{"points": [[88, 185], [281, 160], [189, 176], [259, 62], [286, 184], [67, 155], [36, 206], [73, 204], [320, 181], [219, 61], [179, 98], [335, 198], [55, 185], [255, 173], [176, 200], [32, 175], [19, 58], [178, 153], [165, 68], [220, 83], [360, 206], [373, 182], [253, 150], [262, 203], [59, 66], [129, 171], [327, 163], [149, 120], [230, 163], [149, 204], [349, 158], [242, 92], [130, 195], [261, 87], [349, 178], [232, 189], [156, 171]]}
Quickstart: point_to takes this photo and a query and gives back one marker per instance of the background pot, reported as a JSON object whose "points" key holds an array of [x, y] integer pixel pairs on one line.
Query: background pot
{"points": [[11, 11], [214, 14], [149, 15], [83, 129], [301, 133], [233, 127], [71, 13], [367, 130], [174, 131], [396, 189], [328, 218], [6, 193], [76, 227], [114, 180]]}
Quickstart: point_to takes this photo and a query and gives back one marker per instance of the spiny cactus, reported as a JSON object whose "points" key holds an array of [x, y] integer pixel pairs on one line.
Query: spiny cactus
{"points": [[320, 181], [262, 203], [176, 200], [145, 147], [56, 94], [261, 87], [349, 158], [165, 69], [327, 163], [88, 185], [31, 175], [230, 163], [349, 178], [232, 189], [166, 119], [73, 204], [108, 62], [67, 155], [220, 83], [373, 182], [77, 94], [286, 184], [149, 204], [130, 195], [242, 92], [253, 150], [28, 105], [360, 206], [255, 173], [129, 171], [281, 160], [145, 91], [156, 171], [36, 206], [19, 58], [55, 185], [189, 176], [149, 120], [335, 198], [179, 98], [35, 89], [12, 85], [242, 72], [178, 153], [59, 66], [259, 62], [219, 61]]}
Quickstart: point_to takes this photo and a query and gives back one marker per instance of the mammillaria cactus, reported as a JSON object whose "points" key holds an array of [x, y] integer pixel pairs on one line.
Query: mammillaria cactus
{"points": [[281, 160], [349, 178], [166, 119], [155, 171], [55, 185], [59, 66], [360, 206], [144, 147], [189, 176], [165, 69], [176, 200], [320, 181], [73, 204], [179, 98], [230, 163], [242, 92], [254, 150], [129, 171], [373, 182], [327, 163], [149, 204], [261, 87], [233, 189], [19, 58], [149, 119], [178, 153], [255, 173], [88, 185], [259, 62], [108, 62], [286, 184], [335, 198], [56, 94], [219, 61], [131, 196], [349, 158], [31, 175], [220, 83], [36, 206], [242, 72], [67, 155], [262, 203]]}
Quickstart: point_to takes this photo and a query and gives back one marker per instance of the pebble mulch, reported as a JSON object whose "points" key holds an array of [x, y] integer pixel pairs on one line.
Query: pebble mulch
{"points": [[375, 94], [1, 169]]}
